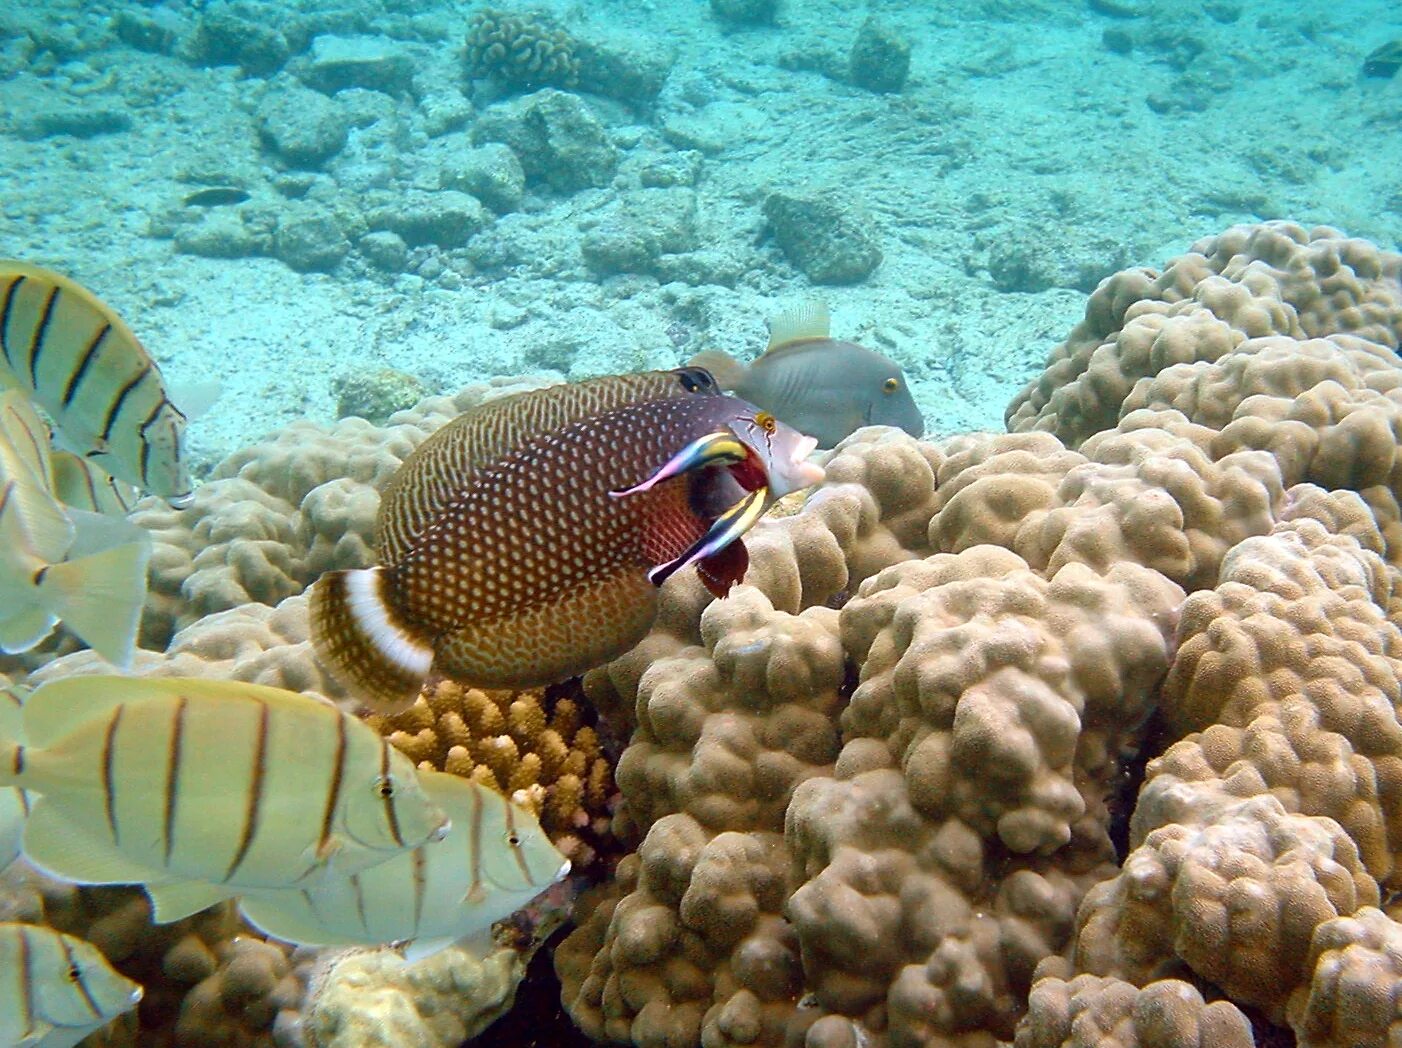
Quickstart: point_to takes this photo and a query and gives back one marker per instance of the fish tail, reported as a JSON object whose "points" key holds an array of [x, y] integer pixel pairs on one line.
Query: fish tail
{"points": [[360, 636], [725, 369], [99, 598]]}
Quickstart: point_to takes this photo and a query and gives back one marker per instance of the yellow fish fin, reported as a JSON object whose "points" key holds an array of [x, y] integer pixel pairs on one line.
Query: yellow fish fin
{"points": [[61, 845], [176, 900], [804, 322], [725, 369], [416, 950], [25, 629], [365, 643], [100, 597]]}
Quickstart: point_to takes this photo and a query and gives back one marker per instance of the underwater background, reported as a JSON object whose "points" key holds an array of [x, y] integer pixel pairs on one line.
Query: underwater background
{"points": [[338, 212]]}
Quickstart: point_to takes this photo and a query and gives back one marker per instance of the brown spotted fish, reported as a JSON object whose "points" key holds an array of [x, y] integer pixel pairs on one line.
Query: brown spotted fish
{"points": [[816, 383], [524, 542]]}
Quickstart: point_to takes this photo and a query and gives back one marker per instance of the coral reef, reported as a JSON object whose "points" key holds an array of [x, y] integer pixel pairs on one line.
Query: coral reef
{"points": [[532, 746], [524, 50]]}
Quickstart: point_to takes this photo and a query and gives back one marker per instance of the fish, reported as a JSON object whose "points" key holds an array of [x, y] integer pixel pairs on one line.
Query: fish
{"points": [[825, 387], [85, 570], [216, 196], [56, 989], [495, 860], [86, 368], [523, 543], [80, 483], [14, 802], [197, 789]]}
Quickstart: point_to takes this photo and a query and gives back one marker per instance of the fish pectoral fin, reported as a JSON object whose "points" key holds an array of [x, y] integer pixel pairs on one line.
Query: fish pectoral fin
{"points": [[728, 528], [286, 914], [25, 629], [722, 570], [61, 845], [416, 950], [36, 1035], [720, 448], [100, 597], [176, 900]]}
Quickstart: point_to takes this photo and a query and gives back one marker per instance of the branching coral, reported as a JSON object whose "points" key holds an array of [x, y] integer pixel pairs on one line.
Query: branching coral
{"points": [[540, 752], [521, 49]]}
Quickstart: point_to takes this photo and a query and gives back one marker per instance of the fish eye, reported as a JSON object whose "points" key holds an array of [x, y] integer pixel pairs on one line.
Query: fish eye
{"points": [[384, 786], [767, 422], [696, 380], [513, 839], [74, 973], [891, 385]]}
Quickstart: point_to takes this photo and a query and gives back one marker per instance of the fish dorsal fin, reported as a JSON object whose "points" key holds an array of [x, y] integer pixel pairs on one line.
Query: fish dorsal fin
{"points": [[804, 322], [440, 468], [179, 899]]}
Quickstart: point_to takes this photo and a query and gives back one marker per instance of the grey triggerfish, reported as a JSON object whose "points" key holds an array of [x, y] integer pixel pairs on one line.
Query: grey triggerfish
{"points": [[817, 384]]}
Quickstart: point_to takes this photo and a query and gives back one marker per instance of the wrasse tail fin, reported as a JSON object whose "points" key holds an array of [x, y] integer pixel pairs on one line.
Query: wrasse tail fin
{"points": [[100, 597], [364, 642]]}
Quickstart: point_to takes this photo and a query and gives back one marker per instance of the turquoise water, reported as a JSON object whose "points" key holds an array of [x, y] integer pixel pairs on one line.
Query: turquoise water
{"points": [[289, 199]]}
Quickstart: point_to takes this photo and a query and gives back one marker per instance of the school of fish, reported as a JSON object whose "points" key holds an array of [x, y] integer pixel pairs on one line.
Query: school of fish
{"points": [[521, 544]]}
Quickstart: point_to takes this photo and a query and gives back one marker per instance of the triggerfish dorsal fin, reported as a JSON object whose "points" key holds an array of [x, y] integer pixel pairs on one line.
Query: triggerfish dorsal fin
{"points": [[728, 372], [357, 633], [444, 464], [804, 322]]}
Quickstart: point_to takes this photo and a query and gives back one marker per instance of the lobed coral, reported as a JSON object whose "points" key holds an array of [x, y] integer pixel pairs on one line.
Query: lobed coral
{"points": [[533, 747], [522, 49]]}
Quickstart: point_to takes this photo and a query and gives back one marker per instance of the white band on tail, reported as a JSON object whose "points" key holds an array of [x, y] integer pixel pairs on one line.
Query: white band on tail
{"points": [[366, 603]]}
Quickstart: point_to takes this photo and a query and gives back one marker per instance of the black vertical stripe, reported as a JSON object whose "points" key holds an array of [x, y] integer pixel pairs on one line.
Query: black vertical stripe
{"points": [[74, 973], [420, 886], [474, 845], [5, 309], [388, 795], [513, 841], [254, 801], [109, 785], [116, 406], [26, 979], [333, 795], [70, 390], [174, 758], [154, 416], [39, 334], [360, 913]]}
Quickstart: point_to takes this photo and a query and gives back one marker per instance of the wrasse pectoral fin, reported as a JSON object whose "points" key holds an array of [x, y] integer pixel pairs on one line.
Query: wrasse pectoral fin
{"points": [[727, 529], [720, 448]]}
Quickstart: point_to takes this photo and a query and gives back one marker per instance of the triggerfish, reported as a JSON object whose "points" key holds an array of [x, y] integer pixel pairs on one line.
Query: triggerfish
{"points": [[87, 369], [816, 383], [58, 564], [494, 860], [522, 543], [198, 789], [56, 989]]}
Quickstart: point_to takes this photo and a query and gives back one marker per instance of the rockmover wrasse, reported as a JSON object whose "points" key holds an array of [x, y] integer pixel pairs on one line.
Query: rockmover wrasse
{"points": [[87, 369], [819, 384], [524, 542], [199, 789]]}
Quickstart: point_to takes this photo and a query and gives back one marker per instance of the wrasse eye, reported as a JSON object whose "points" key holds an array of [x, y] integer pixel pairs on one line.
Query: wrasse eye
{"points": [[697, 380], [891, 385], [767, 422]]}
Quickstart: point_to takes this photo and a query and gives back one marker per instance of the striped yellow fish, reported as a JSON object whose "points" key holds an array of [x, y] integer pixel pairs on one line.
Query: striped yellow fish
{"points": [[85, 570], [82, 484], [494, 860], [199, 789], [56, 989], [81, 363], [523, 543]]}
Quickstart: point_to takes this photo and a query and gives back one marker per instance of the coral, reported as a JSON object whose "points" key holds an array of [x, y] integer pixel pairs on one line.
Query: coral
{"points": [[879, 59], [375, 1000], [1270, 285], [527, 745], [1090, 1012], [1352, 1000], [524, 50], [376, 395]]}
